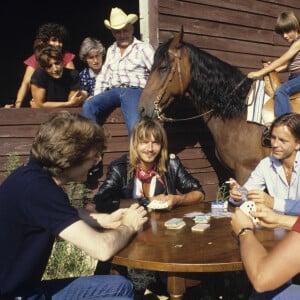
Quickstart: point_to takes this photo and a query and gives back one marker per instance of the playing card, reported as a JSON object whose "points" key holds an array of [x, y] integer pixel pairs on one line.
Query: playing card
{"points": [[202, 219], [200, 227], [175, 223], [247, 207], [156, 204]]}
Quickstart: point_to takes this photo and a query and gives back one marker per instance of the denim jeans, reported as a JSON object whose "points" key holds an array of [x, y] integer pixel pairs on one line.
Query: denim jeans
{"points": [[100, 106], [107, 287], [287, 291], [281, 97]]}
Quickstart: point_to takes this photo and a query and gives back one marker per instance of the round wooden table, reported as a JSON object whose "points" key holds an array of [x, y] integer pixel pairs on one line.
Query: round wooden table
{"points": [[183, 252]]}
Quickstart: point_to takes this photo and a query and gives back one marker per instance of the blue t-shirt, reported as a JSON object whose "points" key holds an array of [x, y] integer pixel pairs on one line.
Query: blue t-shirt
{"points": [[33, 210]]}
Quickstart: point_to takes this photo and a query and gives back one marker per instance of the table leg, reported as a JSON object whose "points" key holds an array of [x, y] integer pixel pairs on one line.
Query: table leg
{"points": [[176, 286]]}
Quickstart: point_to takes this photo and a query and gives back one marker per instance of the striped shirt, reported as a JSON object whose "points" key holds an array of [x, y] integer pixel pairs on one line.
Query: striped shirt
{"points": [[295, 61], [131, 69]]}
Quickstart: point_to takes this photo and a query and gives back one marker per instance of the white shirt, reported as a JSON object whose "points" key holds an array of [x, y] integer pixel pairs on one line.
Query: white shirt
{"points": [[132, 68], [269, 174]]}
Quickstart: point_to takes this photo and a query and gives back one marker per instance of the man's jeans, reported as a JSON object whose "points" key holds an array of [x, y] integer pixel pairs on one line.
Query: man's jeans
{"points": [[96, 287], [100, 106], [282, 93]]}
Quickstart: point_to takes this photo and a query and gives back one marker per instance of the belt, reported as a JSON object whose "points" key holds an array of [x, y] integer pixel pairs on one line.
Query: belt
{"points": [[122, 86]]}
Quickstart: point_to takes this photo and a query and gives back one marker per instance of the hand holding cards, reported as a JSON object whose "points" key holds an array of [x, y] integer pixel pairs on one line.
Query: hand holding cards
{"points": [[247, 207], [156, 204]]}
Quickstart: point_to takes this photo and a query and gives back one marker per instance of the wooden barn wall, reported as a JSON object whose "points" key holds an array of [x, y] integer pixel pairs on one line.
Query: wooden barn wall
{"points": [[19, 126], [238, 32]]}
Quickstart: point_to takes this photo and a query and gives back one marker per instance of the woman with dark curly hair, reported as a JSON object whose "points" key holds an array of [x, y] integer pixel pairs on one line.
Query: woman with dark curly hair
{"points": [[51, 34]]}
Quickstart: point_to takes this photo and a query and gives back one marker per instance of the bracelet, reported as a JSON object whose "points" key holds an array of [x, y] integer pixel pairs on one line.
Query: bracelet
{"points": [[243, 232]]}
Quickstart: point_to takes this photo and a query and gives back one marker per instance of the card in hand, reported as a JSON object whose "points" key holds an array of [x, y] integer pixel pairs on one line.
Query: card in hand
{"points": [[156, 204], [247, 207]]}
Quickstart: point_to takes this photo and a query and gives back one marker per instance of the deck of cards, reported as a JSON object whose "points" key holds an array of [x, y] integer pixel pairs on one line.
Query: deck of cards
{"points": [[203, 219], [175, 223], [247, 207], [156, 204], [200, 227]]}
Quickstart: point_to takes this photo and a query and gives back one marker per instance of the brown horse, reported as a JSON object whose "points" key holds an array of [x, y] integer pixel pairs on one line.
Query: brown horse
{"points": [[218, 92]]}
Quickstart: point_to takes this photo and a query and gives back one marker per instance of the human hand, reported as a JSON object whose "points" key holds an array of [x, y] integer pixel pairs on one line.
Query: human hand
{"points": [[134, 217], [267, 216], [110, 221], [77, 98], [254, 75], [9, 106], [171, 200], [240, 220], [259, 196], [33, 104], [233, 190]]}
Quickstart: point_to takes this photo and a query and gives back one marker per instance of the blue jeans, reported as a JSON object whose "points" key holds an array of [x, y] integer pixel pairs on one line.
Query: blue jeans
{"points": [[100, 106], [286, 292], [281, 97], [107, 287]]}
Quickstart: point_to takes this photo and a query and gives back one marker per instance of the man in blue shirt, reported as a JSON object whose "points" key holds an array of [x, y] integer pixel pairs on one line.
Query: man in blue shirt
{"points": [[34, 209]]}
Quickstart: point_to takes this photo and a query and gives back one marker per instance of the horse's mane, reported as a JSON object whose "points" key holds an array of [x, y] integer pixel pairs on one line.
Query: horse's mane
{"points": [[214, 83]]}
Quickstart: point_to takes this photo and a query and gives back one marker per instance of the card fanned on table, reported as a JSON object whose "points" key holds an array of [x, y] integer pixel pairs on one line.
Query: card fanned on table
{"points": [[200, 227], [175, 223]]}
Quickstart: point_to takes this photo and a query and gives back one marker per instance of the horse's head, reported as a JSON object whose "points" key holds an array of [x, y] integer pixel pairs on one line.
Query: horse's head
{"points": [[169, 77]]}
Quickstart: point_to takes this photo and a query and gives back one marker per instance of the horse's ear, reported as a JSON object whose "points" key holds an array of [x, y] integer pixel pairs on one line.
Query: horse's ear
{"points": [[176, 42]]}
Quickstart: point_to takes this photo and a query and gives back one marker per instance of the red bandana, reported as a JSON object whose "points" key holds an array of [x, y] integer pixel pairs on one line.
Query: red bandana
{"points": [[146, 176]]}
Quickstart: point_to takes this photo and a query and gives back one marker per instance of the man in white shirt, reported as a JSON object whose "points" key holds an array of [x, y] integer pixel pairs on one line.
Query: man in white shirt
{"points": [[124, 73], [278, 173]]}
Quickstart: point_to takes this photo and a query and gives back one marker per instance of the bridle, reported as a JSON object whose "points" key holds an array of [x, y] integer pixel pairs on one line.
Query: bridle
{"points": [[162, 91], [169, 78]]}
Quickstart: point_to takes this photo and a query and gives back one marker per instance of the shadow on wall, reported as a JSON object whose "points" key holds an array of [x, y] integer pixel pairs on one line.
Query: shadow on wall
{"points": [[194, 136]]}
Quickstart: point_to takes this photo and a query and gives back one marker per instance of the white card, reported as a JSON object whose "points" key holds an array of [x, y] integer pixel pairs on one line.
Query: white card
{"points": [[247, 207]]}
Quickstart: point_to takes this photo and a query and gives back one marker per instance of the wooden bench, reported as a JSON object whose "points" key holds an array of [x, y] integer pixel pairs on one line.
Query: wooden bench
{"points": [[190, 140]]}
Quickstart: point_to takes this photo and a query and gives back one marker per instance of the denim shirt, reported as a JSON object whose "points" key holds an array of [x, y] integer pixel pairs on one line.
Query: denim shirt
{"points": [[269, 174]]}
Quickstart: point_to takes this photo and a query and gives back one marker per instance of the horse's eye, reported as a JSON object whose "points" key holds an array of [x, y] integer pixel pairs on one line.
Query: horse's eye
{"points": [[163, 68]]}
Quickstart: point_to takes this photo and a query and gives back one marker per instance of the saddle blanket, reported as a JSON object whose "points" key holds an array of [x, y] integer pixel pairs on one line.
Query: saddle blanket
{"points": [[256, 100]]}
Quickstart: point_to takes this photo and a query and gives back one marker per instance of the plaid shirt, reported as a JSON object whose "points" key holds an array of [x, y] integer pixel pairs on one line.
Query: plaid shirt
{"points": [[131, 69]]}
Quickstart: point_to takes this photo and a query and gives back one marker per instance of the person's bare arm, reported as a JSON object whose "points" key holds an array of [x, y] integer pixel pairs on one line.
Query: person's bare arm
{"points": [[75, 98], [103, 245], [102, 220], [277, 63], [24, 87], [266, 271]]}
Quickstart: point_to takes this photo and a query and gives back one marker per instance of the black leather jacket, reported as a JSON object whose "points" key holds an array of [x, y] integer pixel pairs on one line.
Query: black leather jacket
{"points": [[118, 185]]}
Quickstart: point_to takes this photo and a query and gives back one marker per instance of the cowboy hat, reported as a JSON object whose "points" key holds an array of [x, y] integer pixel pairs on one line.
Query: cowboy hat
{"points": [[118, 19]]}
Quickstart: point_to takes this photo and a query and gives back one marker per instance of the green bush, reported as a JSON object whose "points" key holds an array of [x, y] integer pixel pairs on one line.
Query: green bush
{"points": [[68, 261]]}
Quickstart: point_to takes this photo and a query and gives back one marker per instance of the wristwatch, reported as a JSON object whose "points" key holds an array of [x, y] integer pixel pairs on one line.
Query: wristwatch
{"points": [[243, 232]]}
